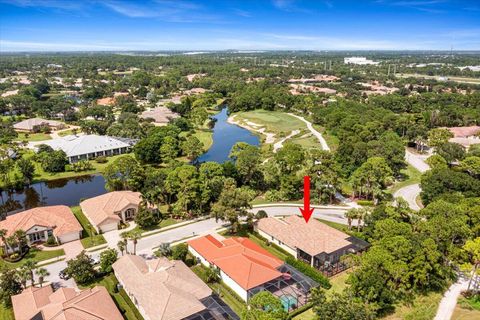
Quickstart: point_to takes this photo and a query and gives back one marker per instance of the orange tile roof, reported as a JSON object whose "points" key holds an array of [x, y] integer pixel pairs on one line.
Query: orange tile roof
{"points": [[59, 218], [313, 237], [65, 304], [105, 206], [244, 261], [109, 101]]}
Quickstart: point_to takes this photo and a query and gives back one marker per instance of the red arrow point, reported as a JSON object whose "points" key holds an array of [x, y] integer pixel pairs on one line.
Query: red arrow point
{"points": [[306, 210], [306, 213]]}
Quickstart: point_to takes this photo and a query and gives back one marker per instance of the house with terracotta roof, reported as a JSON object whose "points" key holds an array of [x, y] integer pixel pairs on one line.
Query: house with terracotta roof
{"points": [[41, 222], [106, 211], [163, 289], [64, 304], [244, 266], [314, 242]]}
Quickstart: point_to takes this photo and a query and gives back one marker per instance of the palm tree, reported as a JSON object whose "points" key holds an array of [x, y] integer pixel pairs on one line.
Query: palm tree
{"points": [[3, 235], [125, 237], [134, 236], [42, 273], [23, 275], [30, 265], [350, 215], [121, 245], [11, 242], [21, 237]]}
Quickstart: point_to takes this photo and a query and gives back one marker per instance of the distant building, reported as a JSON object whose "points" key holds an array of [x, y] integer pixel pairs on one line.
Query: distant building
{"points": [[162, 289], [109, 101], [65, 304], [106, 211], [359, 61], [465, 136], [85, 147], [161, 115], [41, 222], [316, 243], [34, 124]]}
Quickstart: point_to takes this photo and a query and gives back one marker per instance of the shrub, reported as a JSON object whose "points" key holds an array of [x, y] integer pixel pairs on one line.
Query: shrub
{"points": [[261, 214], [101, 159], [309, 271], [179, 252], [365, 203], [164, 250], [51, 241], [14, 256]]}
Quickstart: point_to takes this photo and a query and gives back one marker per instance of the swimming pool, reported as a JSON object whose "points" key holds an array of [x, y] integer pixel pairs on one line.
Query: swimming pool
{"points": [[289, 302]]}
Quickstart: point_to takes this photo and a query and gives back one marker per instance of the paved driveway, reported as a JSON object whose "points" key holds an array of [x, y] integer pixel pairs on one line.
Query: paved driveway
{"points": [[72, 249], [410, 194]]}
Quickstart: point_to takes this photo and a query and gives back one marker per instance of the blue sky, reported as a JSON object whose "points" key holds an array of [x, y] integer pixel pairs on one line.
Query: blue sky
{"points": [[47, 25]]}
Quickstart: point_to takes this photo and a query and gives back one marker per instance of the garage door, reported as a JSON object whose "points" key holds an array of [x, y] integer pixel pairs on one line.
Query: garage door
{"points": [[109, 227], [69, 237]]}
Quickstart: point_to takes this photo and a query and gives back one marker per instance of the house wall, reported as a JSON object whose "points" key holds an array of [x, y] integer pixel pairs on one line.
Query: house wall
{"points": [[72, 236], [38, 229], [274, 240], [132, 297], [225, 278]]}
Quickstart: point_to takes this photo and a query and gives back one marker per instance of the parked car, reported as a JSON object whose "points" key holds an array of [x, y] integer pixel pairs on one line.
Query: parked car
{"points": [[63, 275]]}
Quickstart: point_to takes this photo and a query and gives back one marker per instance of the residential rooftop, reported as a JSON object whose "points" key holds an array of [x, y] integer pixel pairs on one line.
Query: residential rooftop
{"points": [[163, 289], [242, 260]]}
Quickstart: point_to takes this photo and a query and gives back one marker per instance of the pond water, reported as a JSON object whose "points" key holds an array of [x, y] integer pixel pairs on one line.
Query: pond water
{"points": [[225, 135], [68, 192]]}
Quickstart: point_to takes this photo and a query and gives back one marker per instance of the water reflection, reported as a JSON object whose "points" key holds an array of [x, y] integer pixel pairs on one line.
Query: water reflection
{"points": [[61, 191]]}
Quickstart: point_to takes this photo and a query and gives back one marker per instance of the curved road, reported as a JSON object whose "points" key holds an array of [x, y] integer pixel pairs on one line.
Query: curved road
{"points": [[317, 134]]}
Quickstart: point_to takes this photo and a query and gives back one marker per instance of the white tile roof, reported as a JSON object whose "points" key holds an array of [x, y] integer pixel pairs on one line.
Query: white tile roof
{"points": [[78, 145]]}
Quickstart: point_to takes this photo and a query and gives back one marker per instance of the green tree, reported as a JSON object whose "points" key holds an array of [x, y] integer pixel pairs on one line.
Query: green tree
{"points": [[264, 306], [372, 176], [179, 252], [341, 306], [438, 136], [124, 173], [471, 165], [145, 217], [81, 269], [121, 245], [451, 152], [472, 248], [54, 161], [290, 158], [107, 258], [192, 148], [247, 159], [41, 273], [134, 236], [9, 285], [27, 169], [232, 203], [30, 265]]}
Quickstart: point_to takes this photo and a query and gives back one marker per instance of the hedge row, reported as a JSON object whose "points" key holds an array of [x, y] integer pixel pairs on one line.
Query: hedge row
{"points": [[309, 271], [299, 310]]}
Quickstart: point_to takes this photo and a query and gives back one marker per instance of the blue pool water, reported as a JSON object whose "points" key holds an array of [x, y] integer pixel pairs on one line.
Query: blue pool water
{"points": [[289, 302]]}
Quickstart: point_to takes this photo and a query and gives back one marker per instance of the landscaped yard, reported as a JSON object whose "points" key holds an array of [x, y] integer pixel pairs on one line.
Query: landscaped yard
{"points": [[162, 224], [33, 137], [90, 238], [410, 176], [466, 310], [6, 313], [121, 299], [227, 295], [422, 308], [35, 255]]}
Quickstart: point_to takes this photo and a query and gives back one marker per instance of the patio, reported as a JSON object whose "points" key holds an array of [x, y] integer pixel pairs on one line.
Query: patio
{"points": [[293, 290]]}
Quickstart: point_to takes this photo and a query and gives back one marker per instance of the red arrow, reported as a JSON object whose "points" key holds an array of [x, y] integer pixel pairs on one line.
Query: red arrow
{"points": [[306, 210]]}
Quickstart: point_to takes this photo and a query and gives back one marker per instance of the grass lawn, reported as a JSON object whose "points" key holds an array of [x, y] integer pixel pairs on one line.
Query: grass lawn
{"points": [[276, 122], [410, 176], [6, 313], [335, 225], [66, 133], [422, 308], [33, 137], [466, 310], [41, 175], [162, 224], [121, 299], [35, 255], [227, 295], [90, 238], [205, 136]]}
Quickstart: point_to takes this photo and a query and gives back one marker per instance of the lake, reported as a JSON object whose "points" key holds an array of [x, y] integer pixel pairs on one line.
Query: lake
{"points": [[225, 135], [68, 192]]}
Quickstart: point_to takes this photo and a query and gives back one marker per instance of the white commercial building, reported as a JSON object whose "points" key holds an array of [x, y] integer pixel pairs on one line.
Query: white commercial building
{"points": [[359, 61]]}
